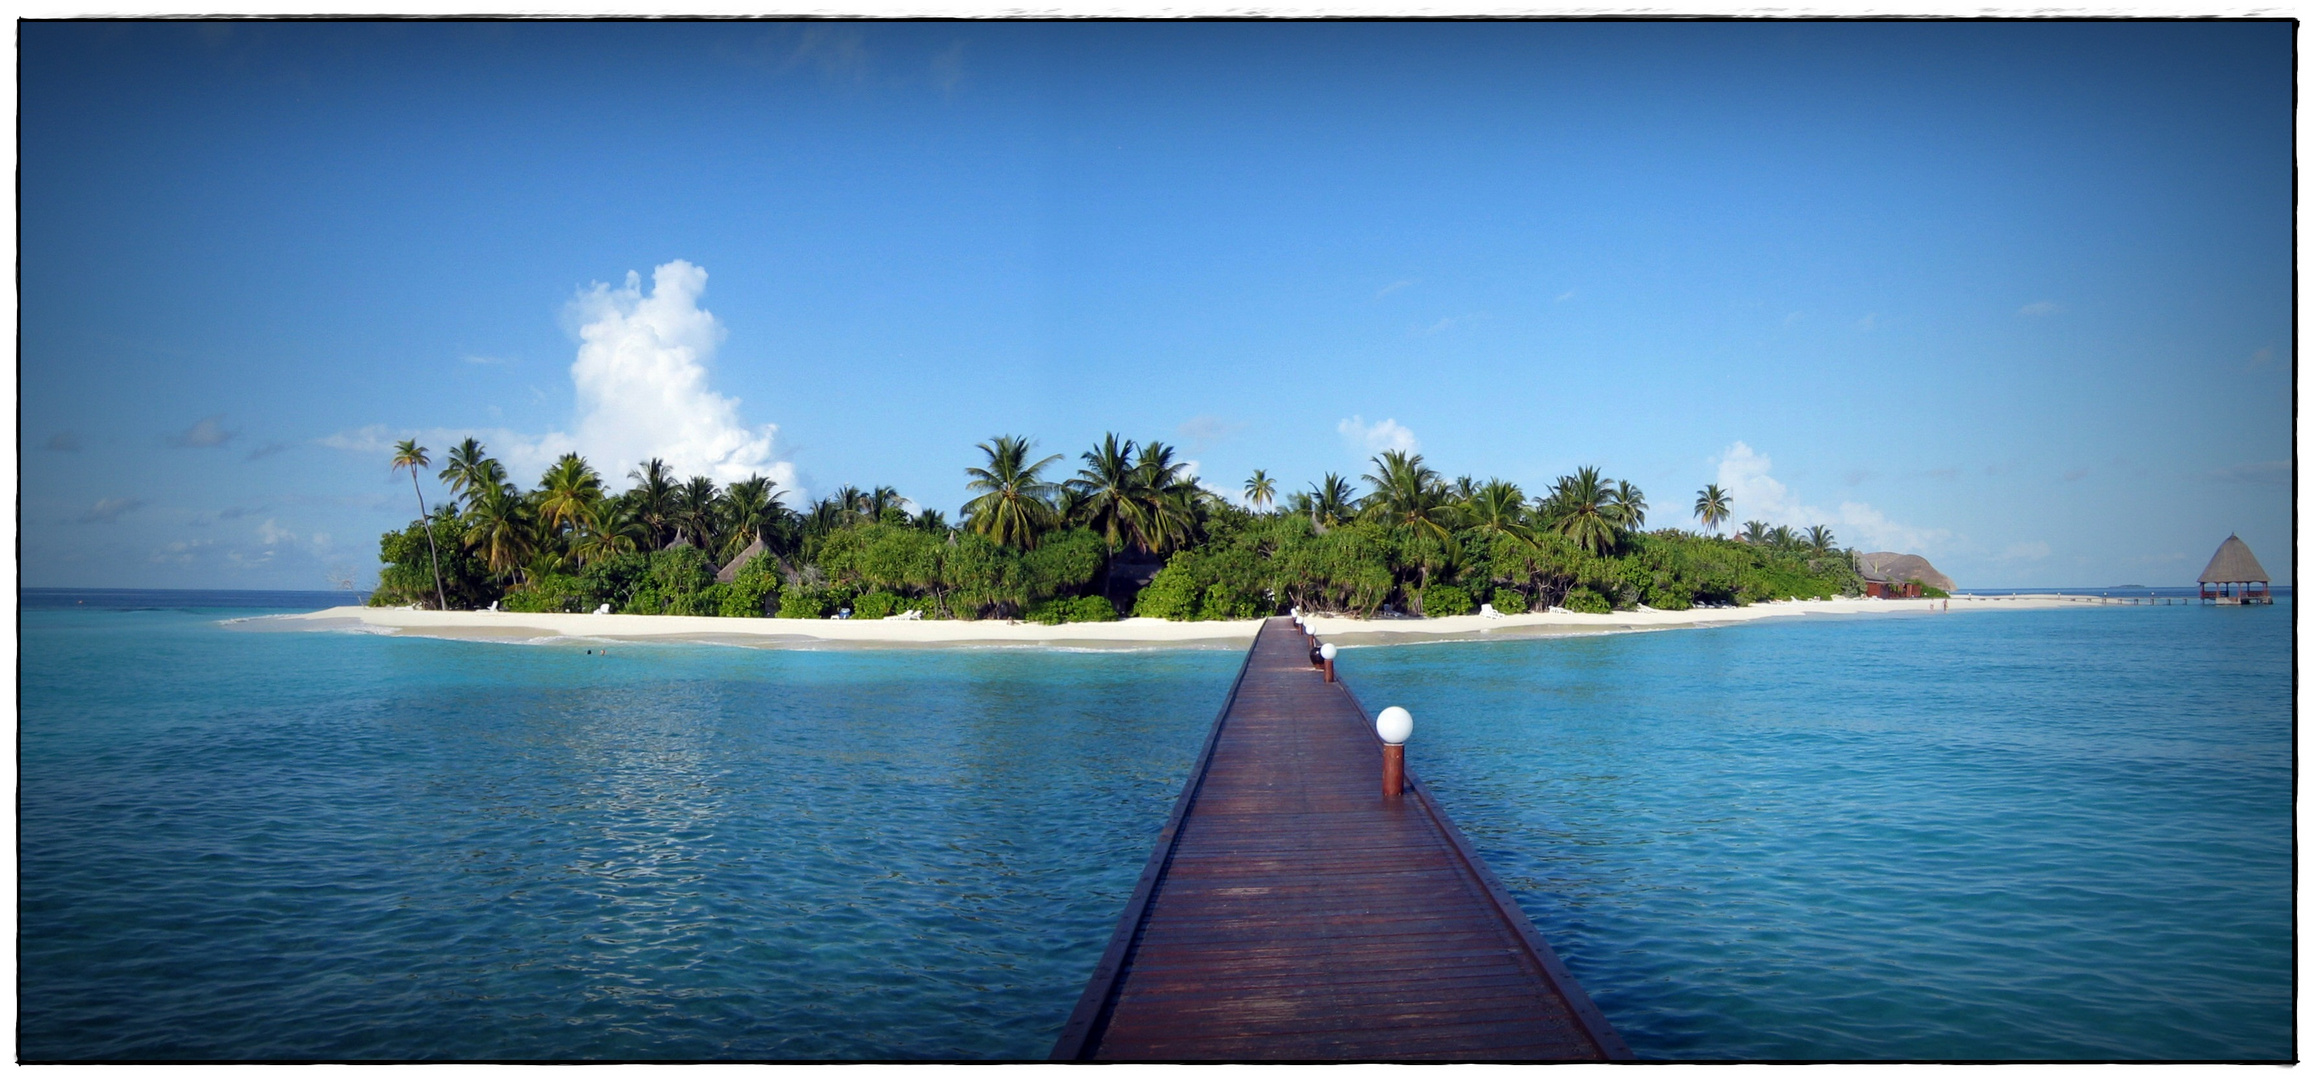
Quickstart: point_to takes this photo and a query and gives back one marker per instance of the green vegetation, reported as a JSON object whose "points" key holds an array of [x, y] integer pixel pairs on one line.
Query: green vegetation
{"points": [[1031, 545]]}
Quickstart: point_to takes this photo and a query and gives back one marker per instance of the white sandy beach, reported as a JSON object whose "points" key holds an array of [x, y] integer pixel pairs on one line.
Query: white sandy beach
{"points": [[1129, 633]]}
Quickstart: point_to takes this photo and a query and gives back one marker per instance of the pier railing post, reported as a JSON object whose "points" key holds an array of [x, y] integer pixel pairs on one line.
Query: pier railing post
{"points": [[1394, 725], [1326, 653]]}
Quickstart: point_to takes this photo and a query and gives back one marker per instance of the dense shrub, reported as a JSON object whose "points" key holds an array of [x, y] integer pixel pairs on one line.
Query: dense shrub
{"points": [[613, 580], [754, 591], [1072, 609], [878, 604], [1173, 594], [550, 592], [406, 573], [1442, 601], [1582, 599], [803, 603], [1510, 601]]}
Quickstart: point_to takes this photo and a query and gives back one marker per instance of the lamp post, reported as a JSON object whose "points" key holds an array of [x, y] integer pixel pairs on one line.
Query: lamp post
{"points": [[1393, 725], [1326, 653]]}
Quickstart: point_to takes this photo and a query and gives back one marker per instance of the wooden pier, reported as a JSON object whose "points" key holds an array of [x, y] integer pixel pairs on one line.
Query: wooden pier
{"points": [[1292, 912]]}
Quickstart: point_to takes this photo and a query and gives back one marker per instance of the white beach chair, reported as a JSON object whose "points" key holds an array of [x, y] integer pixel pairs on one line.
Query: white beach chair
{"points": [[603, 610], [1487, 611]]}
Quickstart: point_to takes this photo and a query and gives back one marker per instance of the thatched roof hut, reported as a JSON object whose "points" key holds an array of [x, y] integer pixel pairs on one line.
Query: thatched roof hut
{"points": [[730, 571], [2233, 563]]}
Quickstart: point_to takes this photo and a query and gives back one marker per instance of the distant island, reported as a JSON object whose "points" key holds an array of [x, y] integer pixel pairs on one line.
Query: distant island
{"points": [[1131, 533]]}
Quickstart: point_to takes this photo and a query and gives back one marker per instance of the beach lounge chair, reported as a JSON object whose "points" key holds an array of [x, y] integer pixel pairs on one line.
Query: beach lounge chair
{"points": [[603, 610], [1487, 611]]}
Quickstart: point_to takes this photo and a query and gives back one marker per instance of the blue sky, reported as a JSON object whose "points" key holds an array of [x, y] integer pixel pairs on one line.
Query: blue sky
{"points": [[2016, 297]]}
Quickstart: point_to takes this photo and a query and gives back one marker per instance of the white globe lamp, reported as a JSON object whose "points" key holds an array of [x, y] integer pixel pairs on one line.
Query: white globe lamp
{"points": [[1394, 725]]}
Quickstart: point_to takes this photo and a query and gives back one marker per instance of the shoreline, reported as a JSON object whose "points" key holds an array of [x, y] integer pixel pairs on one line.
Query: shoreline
{"points": [[504, 626]]}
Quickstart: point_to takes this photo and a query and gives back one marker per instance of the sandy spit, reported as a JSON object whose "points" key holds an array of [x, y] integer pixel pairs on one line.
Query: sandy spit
{"points": [[1126, 634]]}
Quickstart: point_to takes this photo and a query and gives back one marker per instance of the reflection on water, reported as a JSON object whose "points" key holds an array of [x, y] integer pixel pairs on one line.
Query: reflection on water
{"points": [[2025, 834]]}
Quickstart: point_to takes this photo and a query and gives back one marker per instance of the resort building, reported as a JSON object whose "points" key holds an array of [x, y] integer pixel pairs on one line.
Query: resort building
{"points": [[2234, 576]]}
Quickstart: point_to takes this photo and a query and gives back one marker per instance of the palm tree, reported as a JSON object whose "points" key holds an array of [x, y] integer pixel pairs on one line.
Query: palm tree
{"points": [[654, 495], [502, 530], [1168, 498], [465, 471], [409, 455], [697, 506], [850, 500], [1583, 509], [1409, 495], [1330, 502], [1711, 506], [750, 508], [609, 527], [929, 520], [1630, 504], [1820, 539], [1105, 493], [1014, 502], [569, 487], [1260, 491], [1498, 508], [1781, 538], [1754, 532]]}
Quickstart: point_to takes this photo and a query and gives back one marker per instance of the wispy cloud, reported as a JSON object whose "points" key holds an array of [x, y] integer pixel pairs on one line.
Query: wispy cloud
{"points": [[180, 552], [107, 511], [2255, 472], [1869, 322], [2030, 550], [2039, 308], [1756, 494], [1203, 431], [1363, 438], [267, 450], [2073, 474], [1391, 288], [64, 442], [1854, 477], [1563, 297], [947, 67], [231, 512], [208, 431], [478, 358]]}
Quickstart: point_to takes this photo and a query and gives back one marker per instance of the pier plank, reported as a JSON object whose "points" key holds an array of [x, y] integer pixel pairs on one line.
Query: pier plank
{"points": [[1292, 912]]}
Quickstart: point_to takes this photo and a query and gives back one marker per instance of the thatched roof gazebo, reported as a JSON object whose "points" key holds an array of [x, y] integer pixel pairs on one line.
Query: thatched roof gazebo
{"points": [[2234, 576], [730, 571]]}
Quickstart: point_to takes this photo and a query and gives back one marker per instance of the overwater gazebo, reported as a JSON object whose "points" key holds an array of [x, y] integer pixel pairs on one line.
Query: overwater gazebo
{"points": [[2234, 576]]}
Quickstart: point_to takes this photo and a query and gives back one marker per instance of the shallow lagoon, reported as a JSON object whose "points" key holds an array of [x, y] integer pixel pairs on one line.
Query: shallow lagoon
{"points": [[2017, 834]]}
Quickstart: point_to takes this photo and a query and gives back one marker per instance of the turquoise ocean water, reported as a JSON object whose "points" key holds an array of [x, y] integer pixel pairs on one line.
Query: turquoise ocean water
{"points": [[2050, 834]]}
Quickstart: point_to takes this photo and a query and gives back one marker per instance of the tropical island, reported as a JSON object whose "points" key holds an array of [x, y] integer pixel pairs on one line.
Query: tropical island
{"points": [[1130, 534]]}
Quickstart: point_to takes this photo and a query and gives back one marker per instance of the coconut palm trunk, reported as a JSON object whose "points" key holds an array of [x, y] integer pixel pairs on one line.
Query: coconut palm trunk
{"points": [[409, 455]]}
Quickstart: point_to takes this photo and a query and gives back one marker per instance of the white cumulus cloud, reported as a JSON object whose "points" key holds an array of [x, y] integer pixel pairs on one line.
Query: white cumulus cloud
{"points": [[642, 391], [1755, 494], [1364, 438], [641, 377]]}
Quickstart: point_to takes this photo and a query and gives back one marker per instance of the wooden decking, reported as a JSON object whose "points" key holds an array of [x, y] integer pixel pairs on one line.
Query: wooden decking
{"points": [[1291, 912]]}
